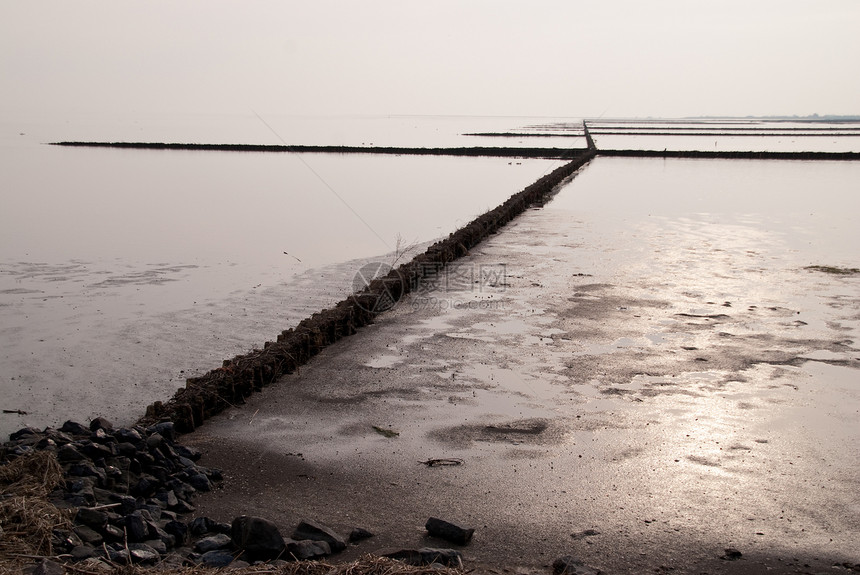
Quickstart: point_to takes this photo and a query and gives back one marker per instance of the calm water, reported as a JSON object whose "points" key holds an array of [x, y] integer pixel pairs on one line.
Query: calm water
{"points": [[122, 272], [723, 136]]}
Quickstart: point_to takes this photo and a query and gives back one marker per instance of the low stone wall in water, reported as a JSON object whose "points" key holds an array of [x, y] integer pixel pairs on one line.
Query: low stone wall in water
{"points": [[237, 378]]}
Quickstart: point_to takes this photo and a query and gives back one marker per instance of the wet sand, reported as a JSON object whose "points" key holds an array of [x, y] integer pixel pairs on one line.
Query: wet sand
{"points": [[669, 376]]}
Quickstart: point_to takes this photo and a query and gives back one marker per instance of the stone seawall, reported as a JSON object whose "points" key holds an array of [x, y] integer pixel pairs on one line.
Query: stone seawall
{"points": [[237, 378]]}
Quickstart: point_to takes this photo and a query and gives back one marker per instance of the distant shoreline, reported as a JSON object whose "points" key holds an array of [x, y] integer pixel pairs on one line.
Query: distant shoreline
{"points": [[551, 153], [546, 153]]}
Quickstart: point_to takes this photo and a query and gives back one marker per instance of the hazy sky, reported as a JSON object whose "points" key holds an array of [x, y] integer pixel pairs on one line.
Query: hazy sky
{"points": [[555, 58]]}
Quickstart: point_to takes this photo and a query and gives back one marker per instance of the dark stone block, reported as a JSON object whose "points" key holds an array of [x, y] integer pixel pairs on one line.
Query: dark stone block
{"points": [[142, 553], [136, 528], [319, 532], [91, 517], [101, 423], [200, 525], [307, 549], [179, 530], [24, 433], [190, 452], [200, 482], [213, 542], [448, 531], [75, 428], [88, 535], [359, 534], [216, 558], [258, 537], [82, 552], [69, 454], [113, 532], [166, 429]]}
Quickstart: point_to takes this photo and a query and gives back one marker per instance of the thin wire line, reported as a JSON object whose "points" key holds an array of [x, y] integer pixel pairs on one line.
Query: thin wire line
{"points": [[325, 183]]}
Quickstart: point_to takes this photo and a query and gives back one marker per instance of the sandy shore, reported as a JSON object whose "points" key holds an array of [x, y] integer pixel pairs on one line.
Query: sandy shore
{"points": [[674, 380]]}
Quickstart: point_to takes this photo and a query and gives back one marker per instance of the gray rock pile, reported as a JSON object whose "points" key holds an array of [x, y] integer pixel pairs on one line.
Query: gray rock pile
{"points": [[131, 491]]}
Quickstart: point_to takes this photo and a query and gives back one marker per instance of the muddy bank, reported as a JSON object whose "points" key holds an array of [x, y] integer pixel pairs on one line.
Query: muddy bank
{"points": [[239, 377], [651, 386], [500, 152]]}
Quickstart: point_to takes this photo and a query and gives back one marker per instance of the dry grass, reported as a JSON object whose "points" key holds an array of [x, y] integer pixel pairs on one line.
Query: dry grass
{"points": [[27, 518], [366, 565]]}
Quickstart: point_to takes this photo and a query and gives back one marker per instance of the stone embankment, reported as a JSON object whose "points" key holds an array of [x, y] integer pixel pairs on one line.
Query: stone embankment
{"points": [[237, 378]]}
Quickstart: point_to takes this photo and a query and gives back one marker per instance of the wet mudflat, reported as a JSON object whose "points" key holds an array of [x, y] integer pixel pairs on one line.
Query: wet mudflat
{"points": [[642, 374], [123, 272]]}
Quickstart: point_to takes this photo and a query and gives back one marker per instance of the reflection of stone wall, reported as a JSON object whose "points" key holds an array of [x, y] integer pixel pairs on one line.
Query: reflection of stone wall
{"points": [[237, 378]]}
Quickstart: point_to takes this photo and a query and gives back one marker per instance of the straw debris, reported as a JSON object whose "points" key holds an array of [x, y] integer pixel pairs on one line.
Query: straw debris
{"points": [[27, 518]]}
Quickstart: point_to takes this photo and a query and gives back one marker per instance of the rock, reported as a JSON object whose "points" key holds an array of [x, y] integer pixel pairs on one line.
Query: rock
{"points": [[69, 454], [183, 507], [200, 525], [428, 556], [319, 532], [359, 534], [101, 423], [82, 552], [217, 558], [65, 539], [136, 527], [158, 545], [75, 428], [257, 536], [166, 429], [179, 530], [23, 433], [567, 565], [112, 532], [225, 528], [448, 531], [213, 542], [191, 453], [154, 441], [101, 436], [308, 549], [88, 535], [95, 451], [168, 498], [128, 504], [145, 487], [91, 517], [200, 482], [731, 554], [142, 553]]}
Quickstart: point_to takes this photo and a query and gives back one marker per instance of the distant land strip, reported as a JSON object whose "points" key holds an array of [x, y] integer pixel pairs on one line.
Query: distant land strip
{"points": [[569, 134], [732, 155], [731, 133], [545, 153], [530, 152]]}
